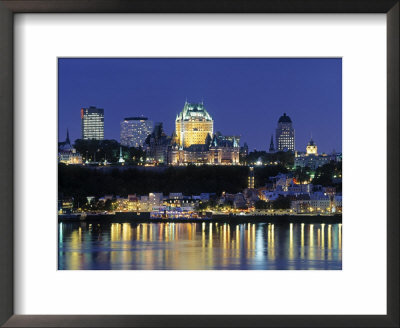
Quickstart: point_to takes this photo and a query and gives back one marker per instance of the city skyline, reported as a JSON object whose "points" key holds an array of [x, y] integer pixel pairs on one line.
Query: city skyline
{"points": [[313, 86]]}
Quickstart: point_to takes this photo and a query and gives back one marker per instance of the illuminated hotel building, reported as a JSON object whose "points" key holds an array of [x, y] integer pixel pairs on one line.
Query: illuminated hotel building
{"points": [[193, 125], [134, 131], [92, 119], [284, 134]]}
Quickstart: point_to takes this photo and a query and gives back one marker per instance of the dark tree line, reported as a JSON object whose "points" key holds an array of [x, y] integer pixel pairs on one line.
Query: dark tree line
{"points": [[285, 158], [82, 181], [100, 150]]}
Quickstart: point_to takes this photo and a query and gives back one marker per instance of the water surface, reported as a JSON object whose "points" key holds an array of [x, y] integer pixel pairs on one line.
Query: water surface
{"points": [[199, 246]]}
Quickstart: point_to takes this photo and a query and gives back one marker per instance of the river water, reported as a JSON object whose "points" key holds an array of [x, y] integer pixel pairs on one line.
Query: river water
{"points": [[199, 246]]}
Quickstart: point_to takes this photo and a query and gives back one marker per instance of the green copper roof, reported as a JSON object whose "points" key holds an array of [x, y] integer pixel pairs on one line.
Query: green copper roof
{"points": [[192, 110]]}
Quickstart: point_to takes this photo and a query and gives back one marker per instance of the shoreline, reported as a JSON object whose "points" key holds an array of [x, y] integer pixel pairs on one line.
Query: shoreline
{"points": [[143, 218]]}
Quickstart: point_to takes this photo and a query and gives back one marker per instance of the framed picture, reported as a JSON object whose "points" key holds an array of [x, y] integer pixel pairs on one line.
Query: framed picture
{"points": [[169, 161]]}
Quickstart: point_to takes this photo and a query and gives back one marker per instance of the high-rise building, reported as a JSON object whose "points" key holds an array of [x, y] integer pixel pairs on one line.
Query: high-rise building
{"points": [[193, 125], [134, 131], [285, 134], [92, 119]]}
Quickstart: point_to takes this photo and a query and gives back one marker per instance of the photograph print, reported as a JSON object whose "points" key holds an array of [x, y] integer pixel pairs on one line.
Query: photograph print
{"points": [[199, 164]]}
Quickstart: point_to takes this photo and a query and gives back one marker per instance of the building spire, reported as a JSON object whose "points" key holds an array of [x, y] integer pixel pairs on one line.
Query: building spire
{"points": [[271, 145], [67, 140]]}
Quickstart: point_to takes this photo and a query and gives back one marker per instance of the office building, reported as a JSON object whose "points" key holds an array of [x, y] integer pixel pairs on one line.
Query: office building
{"points": [[92, 120], [134, 131], [285, 134]]}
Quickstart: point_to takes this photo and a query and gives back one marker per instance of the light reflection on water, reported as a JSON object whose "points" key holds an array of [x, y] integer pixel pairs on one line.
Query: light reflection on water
{"points": [[199, 246]]}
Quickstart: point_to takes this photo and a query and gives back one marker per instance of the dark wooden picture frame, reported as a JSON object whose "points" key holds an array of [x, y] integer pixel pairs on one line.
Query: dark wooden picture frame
{"points": [[10, 7]]}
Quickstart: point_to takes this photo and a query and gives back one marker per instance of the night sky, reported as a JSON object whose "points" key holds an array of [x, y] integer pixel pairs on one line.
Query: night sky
{"points": [[243, 96]]}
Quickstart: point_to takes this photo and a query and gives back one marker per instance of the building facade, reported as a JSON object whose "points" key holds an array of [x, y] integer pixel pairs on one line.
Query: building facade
{"points": [[157, 146], [284, 138], [134, 131], [92, 122], [193, 125], [311, 158], [67, 154]]}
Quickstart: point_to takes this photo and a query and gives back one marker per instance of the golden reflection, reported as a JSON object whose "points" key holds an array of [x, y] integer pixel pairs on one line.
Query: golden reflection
{"points": [[126, 254], [311, 251], [302, 235], [224, 236], [203, 235], [270, 241], [330, 242], [210, 237], [259, 246], [74, 257], [253, 232], [323, 235], [291, 255], [329, 236], [237, 239]]}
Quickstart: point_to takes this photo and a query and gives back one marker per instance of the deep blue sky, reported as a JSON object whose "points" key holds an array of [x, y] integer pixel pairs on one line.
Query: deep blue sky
{"points": [[244, 96]]}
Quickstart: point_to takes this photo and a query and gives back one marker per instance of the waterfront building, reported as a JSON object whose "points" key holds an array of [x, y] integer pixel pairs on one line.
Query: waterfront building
{"points": [[337, 204], [320, 203], [92, 123], [133, 203], [285, 139], [193, 125], [300, 204], [67, 154], [155, 200], [144, 204], [239, 201], [311, 158], [250, 182], [134, 131], [251, 196]]}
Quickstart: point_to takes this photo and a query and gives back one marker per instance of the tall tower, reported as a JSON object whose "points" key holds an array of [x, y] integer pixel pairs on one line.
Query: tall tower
{"points": [[134, 131], [285, 134], [92, 122], [271, 145], [250, 183], [193, 125]]}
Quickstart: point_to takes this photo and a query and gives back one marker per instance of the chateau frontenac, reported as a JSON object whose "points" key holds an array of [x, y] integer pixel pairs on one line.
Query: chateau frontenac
{"points": [[193, 141]]}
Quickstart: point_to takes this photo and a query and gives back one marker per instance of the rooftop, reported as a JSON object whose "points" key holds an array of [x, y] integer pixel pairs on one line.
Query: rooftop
{"points": [[193, 110], [284, 119]]}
